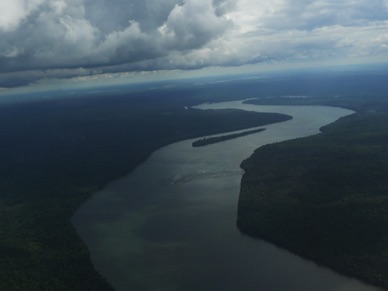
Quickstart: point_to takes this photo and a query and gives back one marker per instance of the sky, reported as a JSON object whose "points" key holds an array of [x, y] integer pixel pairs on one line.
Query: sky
{"points": [[45, 42]]}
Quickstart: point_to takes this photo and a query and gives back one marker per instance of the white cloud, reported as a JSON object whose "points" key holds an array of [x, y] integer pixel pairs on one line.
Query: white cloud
{"points": [[119, 35], [13, 12], [303, 29], [128, 45], [192, 24]]}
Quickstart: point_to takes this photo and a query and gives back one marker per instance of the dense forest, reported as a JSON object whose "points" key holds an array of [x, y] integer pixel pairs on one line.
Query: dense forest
{"points": [[325, 197], [210, 140], [55, 154]]}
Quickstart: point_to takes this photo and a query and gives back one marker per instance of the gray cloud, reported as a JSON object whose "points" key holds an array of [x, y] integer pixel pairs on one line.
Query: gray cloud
{"points": [[74, 33], [191, 25], [42, 39], [306, 14]]}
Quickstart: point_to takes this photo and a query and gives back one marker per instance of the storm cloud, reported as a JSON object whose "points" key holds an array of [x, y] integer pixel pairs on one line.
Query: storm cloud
{"points": [[42, 39]]}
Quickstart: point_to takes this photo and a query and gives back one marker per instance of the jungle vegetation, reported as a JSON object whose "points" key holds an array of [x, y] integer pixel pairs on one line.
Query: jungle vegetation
{"points": [[55, 154], [325, 197]]}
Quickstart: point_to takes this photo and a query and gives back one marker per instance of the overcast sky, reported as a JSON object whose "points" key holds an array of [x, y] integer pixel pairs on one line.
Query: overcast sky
{"points": [[46, 40]]}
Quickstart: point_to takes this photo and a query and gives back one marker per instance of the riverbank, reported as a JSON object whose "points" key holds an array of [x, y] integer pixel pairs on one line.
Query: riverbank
{"points": [[55, 154], [324, 197], [182, 234]]}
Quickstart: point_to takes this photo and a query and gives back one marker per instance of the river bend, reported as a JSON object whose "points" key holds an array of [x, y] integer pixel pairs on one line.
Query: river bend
{"points": [[171, 223]]}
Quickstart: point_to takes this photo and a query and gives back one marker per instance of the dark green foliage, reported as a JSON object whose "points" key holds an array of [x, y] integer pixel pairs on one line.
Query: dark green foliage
{"points": [[325, 197], [54, 155], [210, 140]]}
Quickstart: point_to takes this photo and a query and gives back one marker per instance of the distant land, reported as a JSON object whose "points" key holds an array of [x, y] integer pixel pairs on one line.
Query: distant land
{"points": [[54, 154], [210, 140], [325, 197]]}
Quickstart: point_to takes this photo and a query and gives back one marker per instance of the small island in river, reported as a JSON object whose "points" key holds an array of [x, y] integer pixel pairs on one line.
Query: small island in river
{"points": [[210, 140]]}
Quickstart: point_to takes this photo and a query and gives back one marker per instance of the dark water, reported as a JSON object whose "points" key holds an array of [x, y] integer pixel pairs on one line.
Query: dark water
{"points": [[171, 223]]}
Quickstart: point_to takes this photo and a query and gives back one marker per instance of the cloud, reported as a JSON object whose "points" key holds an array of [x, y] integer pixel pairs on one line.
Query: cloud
{"points": [[307, 15], [13, 12], [192, 24], [283, 30], [71, 33], [65, 38]]}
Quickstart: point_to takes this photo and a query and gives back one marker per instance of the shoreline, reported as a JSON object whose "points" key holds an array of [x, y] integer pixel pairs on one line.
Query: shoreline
{"points": [[104, 261], [57, 154], [326, 229]]}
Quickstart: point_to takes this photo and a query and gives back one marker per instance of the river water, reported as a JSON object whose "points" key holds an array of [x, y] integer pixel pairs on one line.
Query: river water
{"points": [[171, 223]]}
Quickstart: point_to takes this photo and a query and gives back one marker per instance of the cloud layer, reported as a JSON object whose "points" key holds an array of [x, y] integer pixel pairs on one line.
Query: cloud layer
{"points": [[65, 38]]}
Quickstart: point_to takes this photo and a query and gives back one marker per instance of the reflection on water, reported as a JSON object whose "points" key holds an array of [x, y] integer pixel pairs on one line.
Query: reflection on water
{"points": [[171, 223], [203, 175]]}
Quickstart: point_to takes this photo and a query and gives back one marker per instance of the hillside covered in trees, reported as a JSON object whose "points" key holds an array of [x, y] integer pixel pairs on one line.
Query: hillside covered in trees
{"points": [[55, 154], [325, 197]]}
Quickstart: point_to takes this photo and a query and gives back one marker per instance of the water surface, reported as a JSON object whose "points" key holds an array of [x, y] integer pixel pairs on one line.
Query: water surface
{"points": [[171, 223]]}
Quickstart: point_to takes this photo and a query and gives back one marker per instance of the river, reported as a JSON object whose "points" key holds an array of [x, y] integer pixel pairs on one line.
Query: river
{"points": [[171, 223]]}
